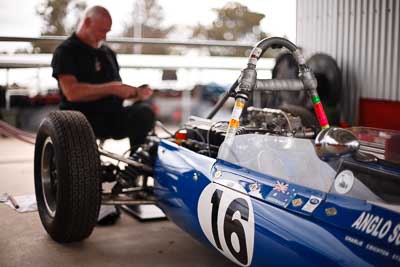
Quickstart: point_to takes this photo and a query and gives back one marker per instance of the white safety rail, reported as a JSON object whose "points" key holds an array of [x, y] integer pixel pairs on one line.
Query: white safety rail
{"points": [[144, 61]]}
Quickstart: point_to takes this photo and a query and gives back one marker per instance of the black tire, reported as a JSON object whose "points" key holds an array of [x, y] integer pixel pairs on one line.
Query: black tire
{"points": [[67, 176], [329, 78]]}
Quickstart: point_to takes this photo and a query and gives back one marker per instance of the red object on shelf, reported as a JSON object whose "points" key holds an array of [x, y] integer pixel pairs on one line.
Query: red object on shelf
{"points": [[379, 114]]}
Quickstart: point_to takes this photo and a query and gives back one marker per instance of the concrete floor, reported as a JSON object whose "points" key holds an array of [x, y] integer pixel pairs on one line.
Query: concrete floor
{"points": [[23, 241]]}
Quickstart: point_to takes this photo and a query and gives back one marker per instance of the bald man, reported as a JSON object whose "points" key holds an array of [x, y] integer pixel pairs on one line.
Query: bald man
{"points": [[87, 72]]}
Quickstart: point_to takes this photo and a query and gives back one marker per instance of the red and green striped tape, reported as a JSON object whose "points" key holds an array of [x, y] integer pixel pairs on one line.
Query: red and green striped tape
{"points": [[319, 111]]}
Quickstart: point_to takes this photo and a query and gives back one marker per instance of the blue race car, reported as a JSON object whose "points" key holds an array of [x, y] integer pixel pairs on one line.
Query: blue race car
{"points": [[263, 188]]}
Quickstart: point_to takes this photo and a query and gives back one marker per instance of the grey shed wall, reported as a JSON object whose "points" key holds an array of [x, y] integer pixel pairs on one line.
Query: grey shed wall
{"points": [[363, 36]]}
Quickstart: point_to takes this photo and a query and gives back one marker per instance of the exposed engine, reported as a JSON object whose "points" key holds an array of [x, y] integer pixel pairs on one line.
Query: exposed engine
{"points": [[205, 136], [274, 120]]}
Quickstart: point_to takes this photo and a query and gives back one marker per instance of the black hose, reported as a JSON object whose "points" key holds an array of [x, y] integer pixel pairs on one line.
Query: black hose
{"points": [[275, 42], [222, 101]]}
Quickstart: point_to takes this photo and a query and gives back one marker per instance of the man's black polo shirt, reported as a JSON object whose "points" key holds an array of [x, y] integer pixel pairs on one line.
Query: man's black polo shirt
{"points": [[88, 65]]}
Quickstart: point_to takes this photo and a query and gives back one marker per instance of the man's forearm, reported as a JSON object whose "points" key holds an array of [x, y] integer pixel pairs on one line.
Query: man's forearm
{"points": [[84, 92], [76, 91]]}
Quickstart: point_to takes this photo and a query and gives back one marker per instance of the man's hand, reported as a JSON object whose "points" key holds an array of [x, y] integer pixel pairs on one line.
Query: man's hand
{"points": [[144, 92], [124, 91]]}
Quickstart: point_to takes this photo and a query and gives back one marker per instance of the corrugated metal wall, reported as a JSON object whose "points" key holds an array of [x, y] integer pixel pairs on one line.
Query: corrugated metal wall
{"points": [[363, 36]]}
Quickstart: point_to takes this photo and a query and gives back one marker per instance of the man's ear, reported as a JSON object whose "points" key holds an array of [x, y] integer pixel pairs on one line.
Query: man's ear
{"points": [[87, 21]]}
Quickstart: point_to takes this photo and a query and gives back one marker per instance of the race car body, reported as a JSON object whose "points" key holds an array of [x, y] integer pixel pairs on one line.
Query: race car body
{"points": [[281, 204]]}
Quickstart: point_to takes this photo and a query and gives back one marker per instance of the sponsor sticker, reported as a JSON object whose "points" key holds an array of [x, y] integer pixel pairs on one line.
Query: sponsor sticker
{"points": [[331, 211], [344, 182], [297, 202], [312, 204]]}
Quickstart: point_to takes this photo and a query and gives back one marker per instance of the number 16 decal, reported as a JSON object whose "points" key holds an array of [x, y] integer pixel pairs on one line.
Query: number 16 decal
{"points": [[227, 220]]}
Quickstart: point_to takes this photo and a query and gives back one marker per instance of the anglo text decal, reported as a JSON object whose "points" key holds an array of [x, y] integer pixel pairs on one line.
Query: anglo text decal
{"points": [[379, 227]]}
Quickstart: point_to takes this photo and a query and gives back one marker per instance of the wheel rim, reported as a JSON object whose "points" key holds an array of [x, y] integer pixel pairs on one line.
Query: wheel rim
{"points": [[49, 176]]}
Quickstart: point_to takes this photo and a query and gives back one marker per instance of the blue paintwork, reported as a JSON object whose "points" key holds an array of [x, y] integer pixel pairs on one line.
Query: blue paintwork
{"points": [[284, 234]]}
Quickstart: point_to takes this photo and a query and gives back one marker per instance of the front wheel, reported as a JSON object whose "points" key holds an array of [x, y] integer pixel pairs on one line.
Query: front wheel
{"points": [[67, 176]]}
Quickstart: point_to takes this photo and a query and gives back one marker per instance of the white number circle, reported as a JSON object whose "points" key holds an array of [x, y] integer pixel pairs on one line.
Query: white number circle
{"points": [[226, 217]]}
